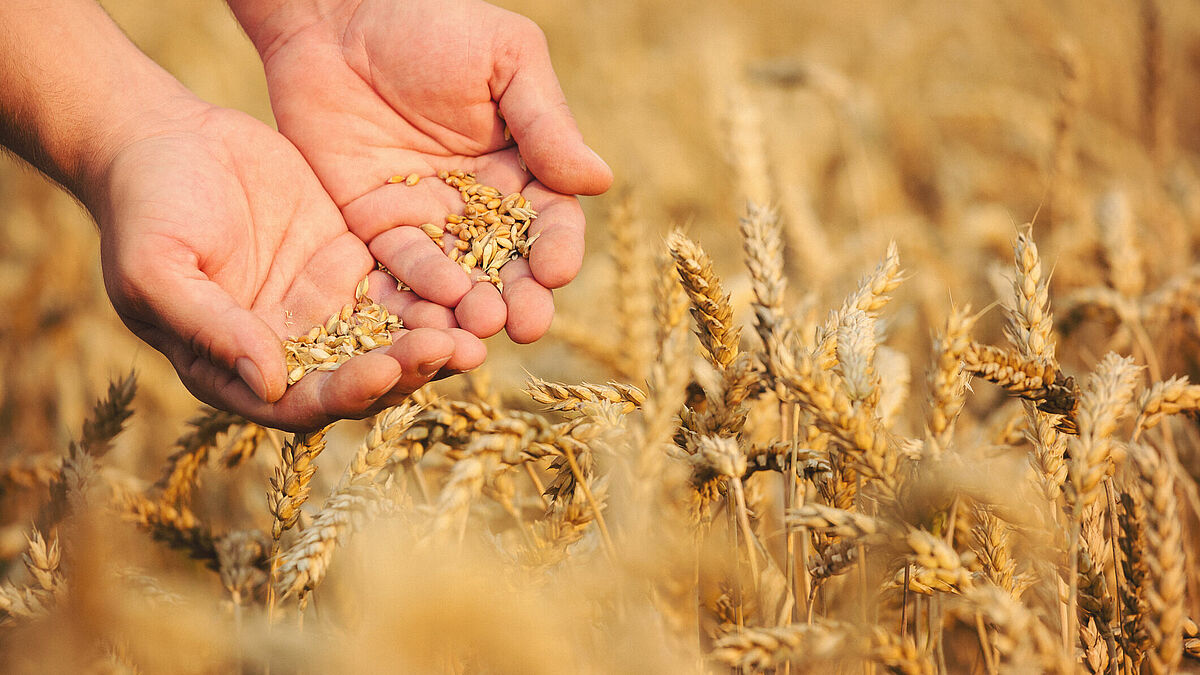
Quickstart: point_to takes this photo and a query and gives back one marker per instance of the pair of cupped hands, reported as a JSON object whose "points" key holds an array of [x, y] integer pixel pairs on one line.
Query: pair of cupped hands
{"points": [[221, 236]]}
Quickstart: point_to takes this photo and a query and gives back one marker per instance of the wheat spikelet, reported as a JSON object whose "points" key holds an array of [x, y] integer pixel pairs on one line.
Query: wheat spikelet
{"points": [[763, 247], [834, 521], [873, 291], [899, 654], [1132, 520], [777, 456], [68, 490], [1021, 640], [1101, 406], [762, 648], [303, 565], [242, 444], [871, 296], [1095, 653], [183, 466], [178, 528], [992, 537], [936, 563], [1114, 216], [290, 485], [634, 316], [1030, 327], [42, 561], [710, 304], [26, 472], [856, 357], [1165, 583], [1017, 375], [79, 466], [947, 381], [23, 604], [463, 486], [109, 416], [1169, 397], [835, 559], [570, 397], [1095, 600], [242, 562]]}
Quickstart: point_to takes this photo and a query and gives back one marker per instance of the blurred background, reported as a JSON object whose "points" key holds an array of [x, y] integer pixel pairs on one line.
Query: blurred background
{"points": [[942, 126]]}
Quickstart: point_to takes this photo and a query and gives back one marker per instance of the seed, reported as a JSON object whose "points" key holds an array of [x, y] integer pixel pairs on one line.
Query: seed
{"points": [[412, 179], [395, 179], [432, 230]]}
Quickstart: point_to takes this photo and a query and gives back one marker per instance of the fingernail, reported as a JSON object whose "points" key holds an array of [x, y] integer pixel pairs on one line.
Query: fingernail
{"points": [[601, 159], [430, 368], [252, 376]]}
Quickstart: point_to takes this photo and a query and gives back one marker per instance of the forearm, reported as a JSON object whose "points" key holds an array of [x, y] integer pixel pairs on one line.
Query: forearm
{"points": [[75, 90]]}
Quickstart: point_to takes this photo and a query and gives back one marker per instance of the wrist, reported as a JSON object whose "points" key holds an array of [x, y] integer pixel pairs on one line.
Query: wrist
{"points": [[271, 23]]}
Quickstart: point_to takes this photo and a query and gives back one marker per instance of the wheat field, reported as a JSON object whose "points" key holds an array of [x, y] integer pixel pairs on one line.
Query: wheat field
{"points": [[895, 371]]}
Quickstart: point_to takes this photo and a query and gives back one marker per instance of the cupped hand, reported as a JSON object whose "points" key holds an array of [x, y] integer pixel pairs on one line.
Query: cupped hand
{"points": [[217, 242], [372, 89]]}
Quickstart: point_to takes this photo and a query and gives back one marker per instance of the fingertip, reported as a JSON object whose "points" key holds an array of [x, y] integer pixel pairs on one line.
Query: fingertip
{"points": [[481, 311], [560, 160], [533, 310], [469, 351]]}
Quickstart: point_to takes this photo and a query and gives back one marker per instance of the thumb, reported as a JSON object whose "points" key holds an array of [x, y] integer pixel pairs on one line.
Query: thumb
{"points": [[201, 315], [536, 112]]}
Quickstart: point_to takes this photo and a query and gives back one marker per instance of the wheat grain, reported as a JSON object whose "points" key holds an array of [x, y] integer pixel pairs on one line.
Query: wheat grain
{"points": [[357, 328]]}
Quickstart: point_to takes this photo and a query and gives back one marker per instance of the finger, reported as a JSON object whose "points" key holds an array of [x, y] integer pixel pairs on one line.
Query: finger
{"points": [[530, 304], [352, 391], [392, 205], [469, 353], [419, 355], [200, 315], [481, 311], [536, 112], [557, 254], [413, 258], [413, 310]]}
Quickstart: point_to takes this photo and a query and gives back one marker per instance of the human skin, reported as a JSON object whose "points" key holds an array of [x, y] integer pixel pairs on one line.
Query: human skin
{"points": [[217, 240], [368, 89]]}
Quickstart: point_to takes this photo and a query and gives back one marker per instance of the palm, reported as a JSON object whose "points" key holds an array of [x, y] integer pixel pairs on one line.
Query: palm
{"points": [[364, 103], [217, 243]]}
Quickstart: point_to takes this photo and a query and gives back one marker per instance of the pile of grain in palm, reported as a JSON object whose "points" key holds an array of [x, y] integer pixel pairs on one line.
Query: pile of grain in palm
{"points": [[492, 230], [357, 329]]}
